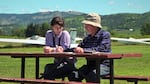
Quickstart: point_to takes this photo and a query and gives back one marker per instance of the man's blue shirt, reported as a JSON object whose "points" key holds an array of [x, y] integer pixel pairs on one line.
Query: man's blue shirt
{"points": [[100, 42]]}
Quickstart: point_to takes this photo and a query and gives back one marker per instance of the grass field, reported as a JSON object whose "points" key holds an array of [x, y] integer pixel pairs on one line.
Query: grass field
{"points": [[10, 67]]}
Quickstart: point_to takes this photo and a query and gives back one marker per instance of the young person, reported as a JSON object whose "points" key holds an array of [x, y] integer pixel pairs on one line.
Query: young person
{"points": [[58, 40]]}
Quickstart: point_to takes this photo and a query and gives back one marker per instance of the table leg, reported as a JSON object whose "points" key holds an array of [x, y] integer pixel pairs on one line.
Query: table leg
{"points": [[111, 71], [98, 70], [23, 67], [37, 68]]}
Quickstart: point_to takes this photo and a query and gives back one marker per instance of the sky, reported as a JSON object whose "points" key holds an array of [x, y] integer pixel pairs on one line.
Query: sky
{"points": [[103, 7]]}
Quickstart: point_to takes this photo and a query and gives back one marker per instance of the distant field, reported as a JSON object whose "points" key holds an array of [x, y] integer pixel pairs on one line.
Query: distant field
{"points": [[10, 67]]}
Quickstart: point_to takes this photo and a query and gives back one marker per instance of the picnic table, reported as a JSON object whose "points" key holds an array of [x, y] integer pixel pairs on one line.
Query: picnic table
{"points": [[97, 56]]}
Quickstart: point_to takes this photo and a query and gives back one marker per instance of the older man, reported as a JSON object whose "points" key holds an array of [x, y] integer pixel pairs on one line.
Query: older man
{"points": [[96, 40]]}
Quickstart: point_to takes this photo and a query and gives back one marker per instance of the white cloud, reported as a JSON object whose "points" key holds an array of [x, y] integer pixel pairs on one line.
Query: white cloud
{"points": [[44, 10], [57, 7], [69, 10], [111, 2], [132, 5], [23, 10]]}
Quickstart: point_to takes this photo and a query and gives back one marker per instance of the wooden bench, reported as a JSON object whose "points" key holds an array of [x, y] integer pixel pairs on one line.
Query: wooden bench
{"points": [[42, 76], [38, 81], [134, 79]]}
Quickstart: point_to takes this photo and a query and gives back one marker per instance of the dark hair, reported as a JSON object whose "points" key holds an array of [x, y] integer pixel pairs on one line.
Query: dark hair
{"points": [[57, 20]]}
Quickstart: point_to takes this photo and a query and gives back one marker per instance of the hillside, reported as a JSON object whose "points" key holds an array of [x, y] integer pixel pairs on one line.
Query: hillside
{"points": [[15, 19], [126, 20], [123, 21]]}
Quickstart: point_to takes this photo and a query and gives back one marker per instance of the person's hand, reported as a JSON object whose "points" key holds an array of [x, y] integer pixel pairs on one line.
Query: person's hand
{"points": [[59, 49], [78, 50], [48, 49]]}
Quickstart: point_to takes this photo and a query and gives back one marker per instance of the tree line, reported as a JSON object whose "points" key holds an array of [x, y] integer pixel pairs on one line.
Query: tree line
{"points": [[41, 28]]}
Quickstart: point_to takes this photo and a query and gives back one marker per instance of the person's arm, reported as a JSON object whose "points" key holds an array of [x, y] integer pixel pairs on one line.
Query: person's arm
{"points": [[48, 38], [105, 44], [48, 42], [66, 40]]}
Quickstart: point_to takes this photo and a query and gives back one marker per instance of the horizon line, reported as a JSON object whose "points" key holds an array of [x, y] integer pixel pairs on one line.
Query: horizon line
{"points": [[72, 11]]}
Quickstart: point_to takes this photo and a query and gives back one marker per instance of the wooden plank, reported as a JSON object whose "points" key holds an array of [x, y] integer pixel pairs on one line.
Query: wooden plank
{"points": [[132, 55], [23, 80], [64, 54], [130, 78], [38, 81], [70, 54]]}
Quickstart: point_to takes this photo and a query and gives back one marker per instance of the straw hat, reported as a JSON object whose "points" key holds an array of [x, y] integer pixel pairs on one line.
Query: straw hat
{"points": [[93, 19]]}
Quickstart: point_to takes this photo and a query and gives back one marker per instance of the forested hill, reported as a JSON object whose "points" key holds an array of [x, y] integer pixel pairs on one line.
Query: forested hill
{"points": [[73, 19], [126, 20], [24, 19]]}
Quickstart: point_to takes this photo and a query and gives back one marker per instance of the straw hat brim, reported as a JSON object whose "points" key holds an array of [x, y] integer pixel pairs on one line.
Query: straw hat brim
{"points": [[92, 23]]}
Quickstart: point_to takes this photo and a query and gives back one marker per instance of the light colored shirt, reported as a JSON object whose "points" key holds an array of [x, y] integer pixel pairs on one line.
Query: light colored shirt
{"points": [[63, 39]]}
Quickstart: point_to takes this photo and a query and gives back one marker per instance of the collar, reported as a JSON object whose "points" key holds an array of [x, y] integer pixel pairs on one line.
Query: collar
{"points": [[58, 36], [97, 34]]}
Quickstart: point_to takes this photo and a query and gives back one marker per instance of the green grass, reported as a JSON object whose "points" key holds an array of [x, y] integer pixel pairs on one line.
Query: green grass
{"points": [[10, 67]]}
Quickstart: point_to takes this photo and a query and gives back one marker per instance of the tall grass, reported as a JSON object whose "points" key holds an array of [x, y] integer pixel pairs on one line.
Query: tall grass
{"points": [[10, 67]]}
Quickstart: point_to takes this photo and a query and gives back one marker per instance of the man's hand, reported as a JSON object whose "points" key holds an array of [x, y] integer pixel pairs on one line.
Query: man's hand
{"points": [[78, 50], [59, 49]]}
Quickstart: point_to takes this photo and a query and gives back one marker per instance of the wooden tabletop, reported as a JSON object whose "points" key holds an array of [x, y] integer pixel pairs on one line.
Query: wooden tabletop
{"points": [[71, 54]]}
